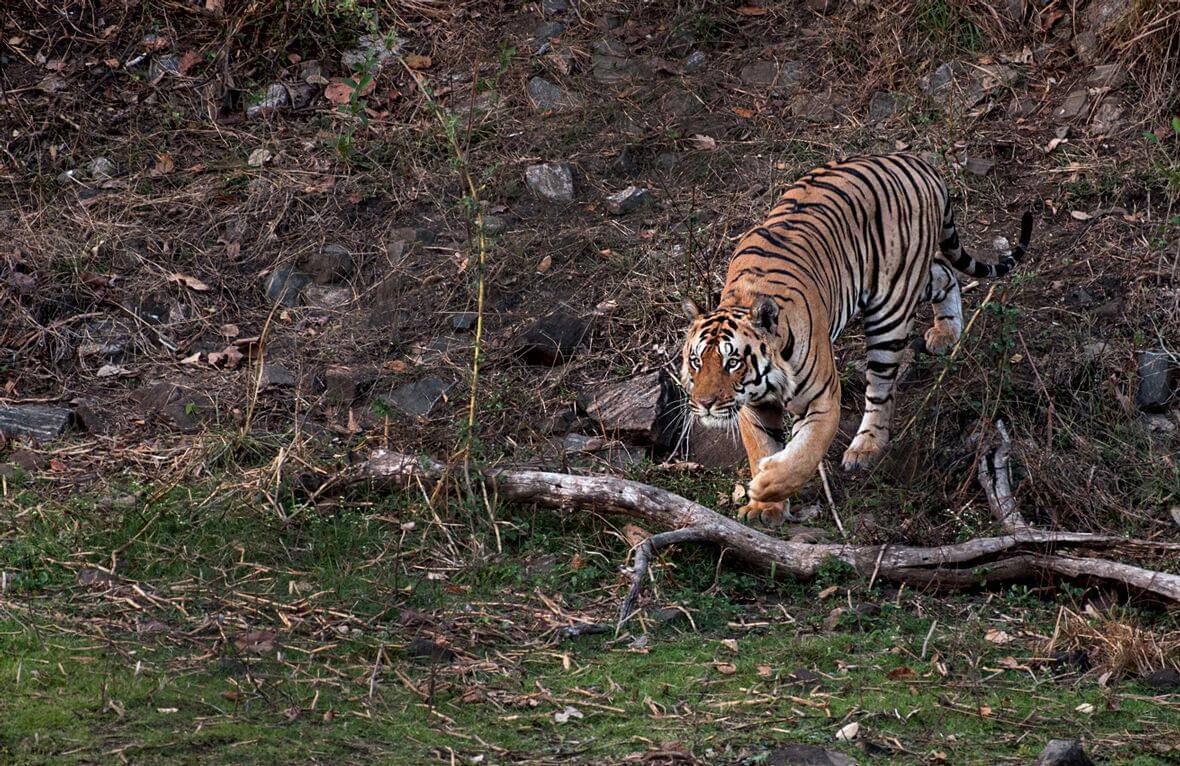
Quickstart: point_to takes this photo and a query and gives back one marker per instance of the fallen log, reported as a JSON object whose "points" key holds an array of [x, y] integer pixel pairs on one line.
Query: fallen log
{"points": [[1021, 553]]}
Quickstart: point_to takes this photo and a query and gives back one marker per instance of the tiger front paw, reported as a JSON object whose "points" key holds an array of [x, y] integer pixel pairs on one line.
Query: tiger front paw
{"points": [[940, 339], [772, 484], [863, 453], [768, 514]]}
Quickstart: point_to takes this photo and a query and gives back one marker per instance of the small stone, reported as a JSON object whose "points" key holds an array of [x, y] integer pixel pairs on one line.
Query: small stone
{"points": [[1085, 44], [631, 198], [671, 616], [1107, 76], [640, 410], [1098, 349], [183, 408], [1063, 752], [1074, 105], [1108, 116], [882, 105], [545, 34], [276, 376], [554, 7], [582, 443], [372, 49], [284, 284], [978, 166], [807, 755], [1001, 245], [275, 98], [610, 46], [614, 69], [817, 107], [552, 180], [624, 162], [94, 419], [1164, 679], [37, 421], [1155, 388], [553, 339], [69, 178], [940, 78], [327, 297], [680, 103], [343, 385], [667, 161], [163, 65], [695, 61], [424, 648], [776, 76], [1159, 424], [417, 399], [101, 169], [547, 97], [29, 461], [331, 264], [494, 225], [463, 322]]}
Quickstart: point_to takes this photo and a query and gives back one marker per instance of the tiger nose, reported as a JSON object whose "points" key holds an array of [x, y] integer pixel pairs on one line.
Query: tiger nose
{"points": [[707, 402]]}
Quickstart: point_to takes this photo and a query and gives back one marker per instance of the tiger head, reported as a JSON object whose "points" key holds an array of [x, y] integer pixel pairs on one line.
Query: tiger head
{"points": [[729, 360]]}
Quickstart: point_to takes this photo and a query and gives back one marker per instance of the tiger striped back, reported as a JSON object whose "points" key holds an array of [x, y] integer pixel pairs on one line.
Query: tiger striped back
{"points": [[870, 235]]}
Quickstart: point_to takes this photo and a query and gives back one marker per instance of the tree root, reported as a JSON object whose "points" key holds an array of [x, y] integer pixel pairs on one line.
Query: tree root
{"points": [[1022, 552]]}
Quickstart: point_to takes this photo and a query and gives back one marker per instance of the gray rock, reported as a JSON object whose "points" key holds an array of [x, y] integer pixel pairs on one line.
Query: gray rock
{"points": [[582, 443], [327, 297], [552, 180], [101, 169], [1108, 116], [69, 177], [554, 7], [547, 97], [882, 105], [940, 78], [93, 418], [640, 410], [715, 447], [1102, 15], [284, 284], [817, 107], [1085, 44], [615, 69], [667, 161], [494, 225], [343, 385], [1063, 752], [374, 48], [631, 198], [671, 616], [463, 322], [331, 264], [34, 420], [417, 399], [695, 61], [1073, 105], [163, 65], [978, 166], [1164, 679], [184, 409], [553, 339], [784, 76], [276, 376], [1098, 350], [1107, 76], [680, 103], [276, 97], [624, 162], [545, 34], [1155, 387], [610, 46], [807, 755]]}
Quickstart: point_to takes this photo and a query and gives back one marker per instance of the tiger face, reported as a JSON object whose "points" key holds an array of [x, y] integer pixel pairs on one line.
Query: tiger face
{"points": [[728, 361]]}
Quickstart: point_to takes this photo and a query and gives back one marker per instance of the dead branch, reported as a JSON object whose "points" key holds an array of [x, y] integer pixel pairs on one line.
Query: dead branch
{"points": [[1020, 554]]}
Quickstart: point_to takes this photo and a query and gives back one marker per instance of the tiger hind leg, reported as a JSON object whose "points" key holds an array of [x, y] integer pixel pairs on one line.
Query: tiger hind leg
{"points": [[885, 335], [943, 293]]}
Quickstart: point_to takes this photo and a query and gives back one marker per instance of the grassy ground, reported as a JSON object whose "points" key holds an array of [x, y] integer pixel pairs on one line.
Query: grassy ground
{"points": [[342, 636]]}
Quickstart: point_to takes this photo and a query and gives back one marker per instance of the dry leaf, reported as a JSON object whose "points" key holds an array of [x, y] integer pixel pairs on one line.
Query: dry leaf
{"points": [[707, 143], [192, 359], [256, 641], [397, 366], [1085, 708], [563, 716], [898, 674], [730, 643], [848, 732], [752, 10], [742, 112], [985, 711], [997, 636], [191, 283], [635, 535], [739, 493], [189, 60], [112, 371], [230, 330], [418, 61], [259, 157], [828, 591], [1080, 215], [725, 668], [337, 92], [164, 165], [764, 671], [577, 562], [545, 264], [1054, 143], [229, 359], [215, 6]]}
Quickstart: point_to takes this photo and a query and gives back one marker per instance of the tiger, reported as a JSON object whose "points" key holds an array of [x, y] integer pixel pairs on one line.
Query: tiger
{"points": [[873, 235]]}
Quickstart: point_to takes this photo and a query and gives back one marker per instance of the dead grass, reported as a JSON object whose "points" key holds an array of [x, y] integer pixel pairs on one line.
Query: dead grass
{"points": [[1117, 643]]}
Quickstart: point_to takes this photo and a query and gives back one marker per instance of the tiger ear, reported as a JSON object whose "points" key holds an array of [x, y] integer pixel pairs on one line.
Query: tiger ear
{"points": [[765, 313], [691, 308]]}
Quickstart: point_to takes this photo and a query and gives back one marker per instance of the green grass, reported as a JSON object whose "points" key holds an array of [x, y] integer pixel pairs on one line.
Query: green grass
{"points": [[157, 665]]}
